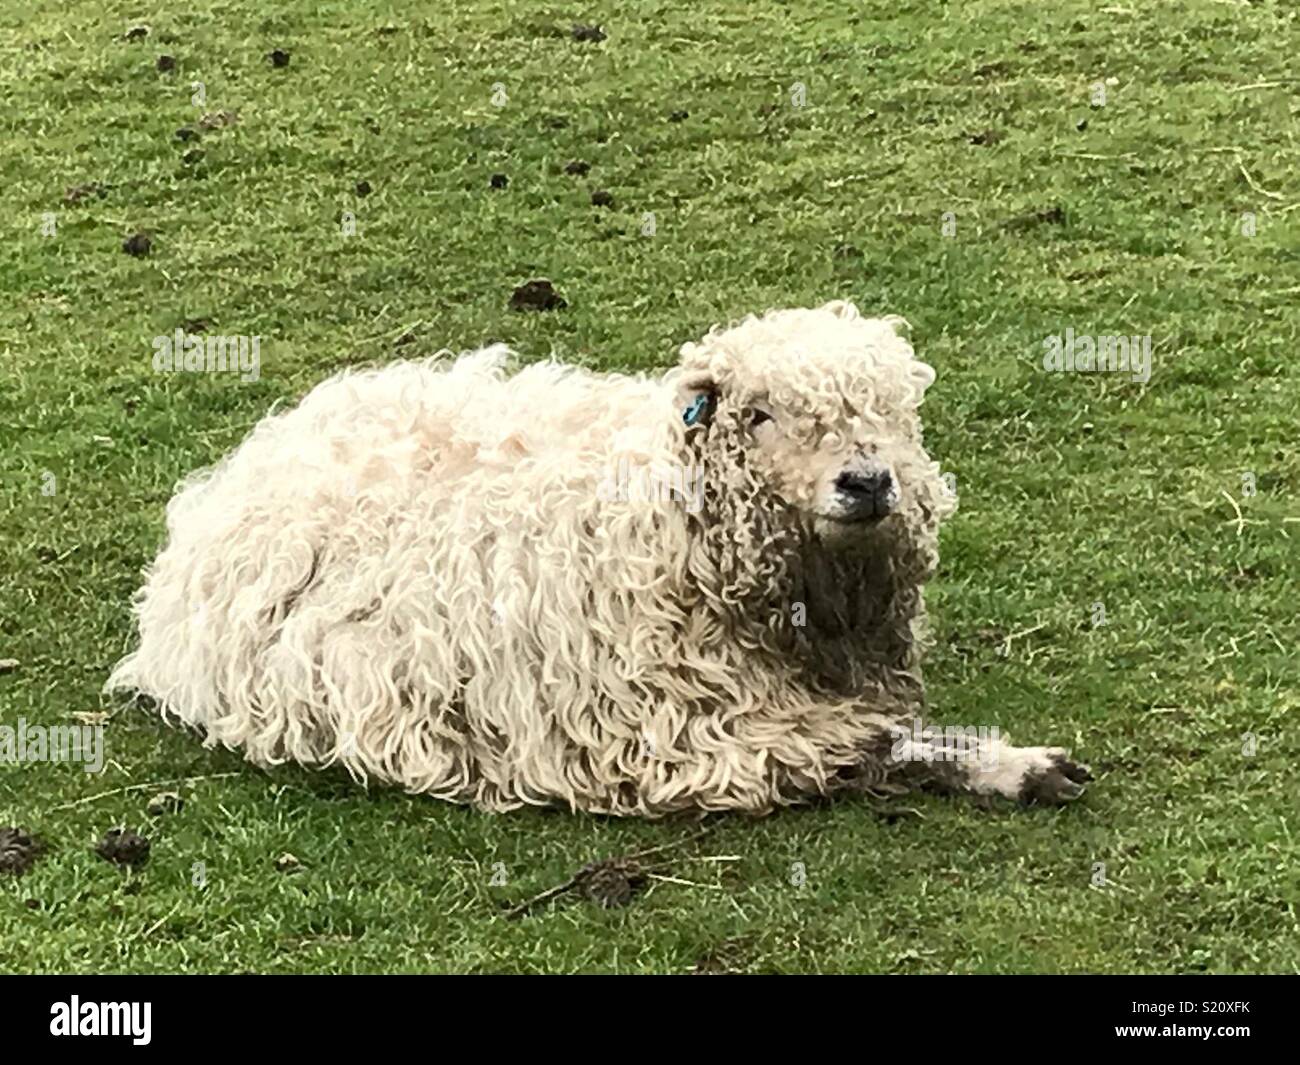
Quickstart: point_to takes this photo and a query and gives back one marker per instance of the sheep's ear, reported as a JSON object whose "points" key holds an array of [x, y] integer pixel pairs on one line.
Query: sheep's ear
{"points": [[920, 375], [900, 325], [697, 399], [919, 378], [841, 309]]}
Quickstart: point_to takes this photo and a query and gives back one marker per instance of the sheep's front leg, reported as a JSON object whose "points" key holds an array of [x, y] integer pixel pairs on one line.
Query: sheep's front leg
{"points": [[957, 760]]}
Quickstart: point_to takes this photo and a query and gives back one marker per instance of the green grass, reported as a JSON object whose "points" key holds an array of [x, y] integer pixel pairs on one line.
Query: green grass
{"points": [[1075, 489]]}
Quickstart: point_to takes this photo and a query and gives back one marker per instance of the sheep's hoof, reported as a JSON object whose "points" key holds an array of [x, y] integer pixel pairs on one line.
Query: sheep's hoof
{"points": [[1059, 782]]}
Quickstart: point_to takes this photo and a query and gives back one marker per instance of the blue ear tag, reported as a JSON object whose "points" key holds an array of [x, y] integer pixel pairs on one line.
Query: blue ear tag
{"points": [[697, 408]]}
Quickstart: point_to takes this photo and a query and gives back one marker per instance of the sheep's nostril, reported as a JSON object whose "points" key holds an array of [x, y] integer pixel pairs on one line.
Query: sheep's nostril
{"points": [[864, 486]]}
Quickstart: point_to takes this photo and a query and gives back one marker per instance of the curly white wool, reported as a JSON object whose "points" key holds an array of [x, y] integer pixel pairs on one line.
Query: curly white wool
{"points": [[420, 573]]}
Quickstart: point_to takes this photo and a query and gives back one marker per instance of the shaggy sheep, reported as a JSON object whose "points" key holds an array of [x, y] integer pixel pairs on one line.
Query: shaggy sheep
{"points": [[621, 594]]}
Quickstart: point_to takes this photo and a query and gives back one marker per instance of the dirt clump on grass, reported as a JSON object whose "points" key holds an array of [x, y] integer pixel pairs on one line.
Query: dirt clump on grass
{"points": [[77, 193], [537, 295], [138, 244], [19, 850], [121, 846], [1050, 216], [165, 802], [611, 883], [219, 119]]}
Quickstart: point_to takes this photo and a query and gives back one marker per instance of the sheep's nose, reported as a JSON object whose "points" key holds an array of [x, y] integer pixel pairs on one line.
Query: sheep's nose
{"points": [[857, 485], [866, 493]]}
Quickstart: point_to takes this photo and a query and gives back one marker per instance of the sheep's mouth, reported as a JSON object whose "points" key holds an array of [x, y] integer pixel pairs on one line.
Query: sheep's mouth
{"points": [[862, 512], [866, 519], [841, 523]]}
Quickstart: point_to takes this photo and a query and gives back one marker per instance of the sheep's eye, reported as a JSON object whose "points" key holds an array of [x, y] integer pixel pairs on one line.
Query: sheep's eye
{"points": [[757, 416]]}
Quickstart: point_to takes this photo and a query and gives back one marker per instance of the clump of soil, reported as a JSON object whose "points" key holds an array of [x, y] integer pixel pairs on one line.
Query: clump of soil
{"points": [[601, 198], [537, 295], [578, 167], [611, 883], [77, 193], [1052, 216], [362, 188], [19, 849], [219, 119], [186, 133], [591, 33], [166, 63], [137, 244], [121, 846], [498, 181], [136, 33], [679, 116], [165, 802], [279, 58]]}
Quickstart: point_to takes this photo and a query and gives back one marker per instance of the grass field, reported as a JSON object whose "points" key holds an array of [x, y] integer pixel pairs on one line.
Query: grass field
{"points": [[1168, 209]]}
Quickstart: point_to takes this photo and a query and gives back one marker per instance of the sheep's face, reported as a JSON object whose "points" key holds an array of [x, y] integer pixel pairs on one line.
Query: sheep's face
{"points": [[819, 410]]}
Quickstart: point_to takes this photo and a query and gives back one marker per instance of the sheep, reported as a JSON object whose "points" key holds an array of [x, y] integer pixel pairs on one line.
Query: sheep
{"points": [[627, 595]]}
